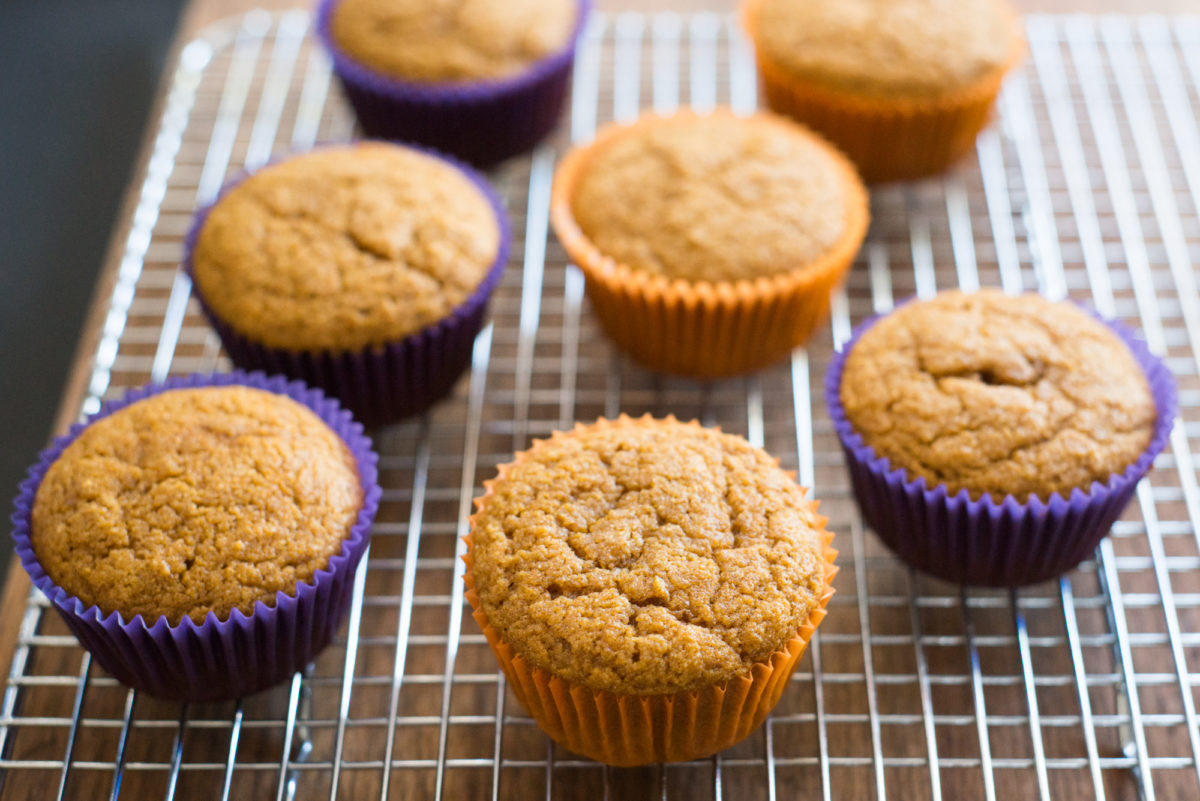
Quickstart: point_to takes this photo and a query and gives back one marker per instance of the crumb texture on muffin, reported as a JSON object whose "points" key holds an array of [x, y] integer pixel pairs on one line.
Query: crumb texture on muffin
{"points": [[345, 248], [997, 394], [195, 500], [888, 47], [451, 40], [646, 557], [713, 198]]}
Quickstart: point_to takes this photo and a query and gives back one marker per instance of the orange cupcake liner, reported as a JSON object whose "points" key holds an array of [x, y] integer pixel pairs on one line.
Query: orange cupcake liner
{"points": [[888, 138], [629, 730], [705, 329]]}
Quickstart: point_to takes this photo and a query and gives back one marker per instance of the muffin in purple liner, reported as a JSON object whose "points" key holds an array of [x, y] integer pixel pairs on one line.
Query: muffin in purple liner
{"points": [[483, 83], [1061, 422], [184, 651], [363, 269]]}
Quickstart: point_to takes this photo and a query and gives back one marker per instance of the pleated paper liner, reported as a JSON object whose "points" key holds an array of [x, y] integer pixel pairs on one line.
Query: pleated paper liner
{"points": [[380, 383], [985, 541], [215, 659], [482, 122], [629, 730], [889, 138], [703, 329]]}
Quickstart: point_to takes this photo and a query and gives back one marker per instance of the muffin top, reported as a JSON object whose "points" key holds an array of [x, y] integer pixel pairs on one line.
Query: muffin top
{"points": [[713, 198], [452, 40], [997, 394], [646, 556], [195, 500], [882, 48], [345, 247]]}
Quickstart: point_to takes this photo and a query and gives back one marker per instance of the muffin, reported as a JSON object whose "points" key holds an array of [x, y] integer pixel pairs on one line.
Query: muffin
{"points": [[903, 87], [647, 586], [482, 80], [201, 537], [362, 269], [710, 244], [995, 439]]}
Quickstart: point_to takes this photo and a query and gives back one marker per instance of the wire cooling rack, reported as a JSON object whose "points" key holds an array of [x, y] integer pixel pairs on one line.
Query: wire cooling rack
{"points": [[1088, 186]]}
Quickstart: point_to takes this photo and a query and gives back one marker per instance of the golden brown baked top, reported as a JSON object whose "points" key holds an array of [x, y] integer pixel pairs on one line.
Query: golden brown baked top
{"points": [[345, 247], [714, 198], [883, 48], [452, 40], [998, 394], [646, 556], [195, 500]]}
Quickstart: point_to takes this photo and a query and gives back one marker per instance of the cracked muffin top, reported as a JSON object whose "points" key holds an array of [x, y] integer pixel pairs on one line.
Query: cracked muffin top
{"points": [[646, 556], [881, 48], [713, 198], [345, 248], [997, 394], [195, 500], [452, 40]]}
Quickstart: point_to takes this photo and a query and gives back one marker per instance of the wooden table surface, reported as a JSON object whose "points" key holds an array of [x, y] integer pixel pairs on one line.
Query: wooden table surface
{"points": [[203, 12]]}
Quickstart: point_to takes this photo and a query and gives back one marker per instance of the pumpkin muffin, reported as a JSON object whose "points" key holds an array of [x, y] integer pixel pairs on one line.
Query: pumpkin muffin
{"points": [[711, 244], [346, 251], [994, 439], [345, 247], [201, 537], [998, 394], [415, 40], [647, 561], [195, 501], [480, 79], [902, 86]]}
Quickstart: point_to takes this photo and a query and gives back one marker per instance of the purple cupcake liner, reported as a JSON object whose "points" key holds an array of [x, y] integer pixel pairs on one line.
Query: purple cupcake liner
{"points": [[987, 542], [381, 383], [482, 122], [215, 659]]}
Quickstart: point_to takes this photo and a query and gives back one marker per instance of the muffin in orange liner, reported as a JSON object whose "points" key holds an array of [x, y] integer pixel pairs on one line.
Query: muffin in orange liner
{"points": [[890, 135], [635, 728], [711, 315]]}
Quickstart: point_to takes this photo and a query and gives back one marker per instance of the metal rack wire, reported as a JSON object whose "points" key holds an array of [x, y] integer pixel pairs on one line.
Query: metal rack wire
{"points": [[1088, 185]]}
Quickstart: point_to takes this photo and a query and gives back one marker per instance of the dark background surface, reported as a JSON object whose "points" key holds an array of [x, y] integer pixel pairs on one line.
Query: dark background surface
{"points": [[77, 80]]}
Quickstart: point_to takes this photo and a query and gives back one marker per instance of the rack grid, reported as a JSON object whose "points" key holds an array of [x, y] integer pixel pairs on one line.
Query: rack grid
{"points": [[1087, 186]]}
